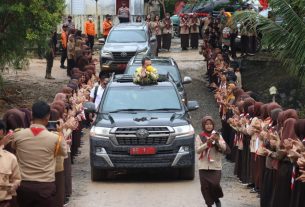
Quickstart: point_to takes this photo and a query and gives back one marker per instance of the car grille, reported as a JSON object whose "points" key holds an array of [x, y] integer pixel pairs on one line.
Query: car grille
{"points": [[141, 159], [128, 136], [123, 56]]}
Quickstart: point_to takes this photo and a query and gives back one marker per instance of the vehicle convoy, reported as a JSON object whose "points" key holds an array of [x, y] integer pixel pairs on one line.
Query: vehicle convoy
{"points": [[165, 65], [123, 42], [142, 127]]}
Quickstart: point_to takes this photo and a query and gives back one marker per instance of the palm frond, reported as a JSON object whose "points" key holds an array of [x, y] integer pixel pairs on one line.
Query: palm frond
{"points": [[286, 38]]}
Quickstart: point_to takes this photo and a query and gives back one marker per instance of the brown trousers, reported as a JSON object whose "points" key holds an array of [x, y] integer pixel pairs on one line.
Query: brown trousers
{"points": [[36, 194], [60, 189], [210, 186], [6, 203]]}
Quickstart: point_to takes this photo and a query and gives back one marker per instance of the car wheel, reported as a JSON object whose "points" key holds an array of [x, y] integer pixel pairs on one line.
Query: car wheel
{"points": [[187, 173], [98, 174]]}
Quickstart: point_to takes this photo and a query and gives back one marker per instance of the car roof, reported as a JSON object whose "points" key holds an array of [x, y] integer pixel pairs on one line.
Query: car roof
{"points": [[136, 60], [127, 80], [130, 26], [124, 84]]}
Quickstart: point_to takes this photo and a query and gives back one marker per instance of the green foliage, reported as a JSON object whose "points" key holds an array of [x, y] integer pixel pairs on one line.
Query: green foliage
{"points": [[25, 23], [285, 39]]}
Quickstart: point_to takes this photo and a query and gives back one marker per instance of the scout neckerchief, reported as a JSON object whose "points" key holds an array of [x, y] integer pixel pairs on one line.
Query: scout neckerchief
{"points": [[204, 136]]}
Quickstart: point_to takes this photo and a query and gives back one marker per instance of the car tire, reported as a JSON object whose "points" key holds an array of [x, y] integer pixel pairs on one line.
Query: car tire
{"points": [[98, 174], [187, 173]]}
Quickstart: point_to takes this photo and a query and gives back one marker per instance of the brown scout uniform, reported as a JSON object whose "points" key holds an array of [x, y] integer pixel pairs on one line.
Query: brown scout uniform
{"points": [[35, 151], [9, 176]]}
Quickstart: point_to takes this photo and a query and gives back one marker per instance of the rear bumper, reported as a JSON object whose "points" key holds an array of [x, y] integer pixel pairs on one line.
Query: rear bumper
{"points": [[117, 156], [113, 66]]}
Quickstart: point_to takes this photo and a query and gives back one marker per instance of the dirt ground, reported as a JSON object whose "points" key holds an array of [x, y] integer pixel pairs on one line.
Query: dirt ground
{"points": [[142, 189]]}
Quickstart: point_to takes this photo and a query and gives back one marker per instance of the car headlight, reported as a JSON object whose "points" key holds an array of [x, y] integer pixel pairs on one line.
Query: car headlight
{"points": [[143, 52], [106, 54], [182, 131], [100, 132]]}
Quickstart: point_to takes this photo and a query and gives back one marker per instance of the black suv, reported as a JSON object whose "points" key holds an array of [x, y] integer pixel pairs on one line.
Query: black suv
{"points": [[164, 65], [123, 42], [142, 127]]}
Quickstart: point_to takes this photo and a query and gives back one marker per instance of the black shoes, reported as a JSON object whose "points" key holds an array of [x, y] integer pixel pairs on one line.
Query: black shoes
{"points": [[63, 67]]}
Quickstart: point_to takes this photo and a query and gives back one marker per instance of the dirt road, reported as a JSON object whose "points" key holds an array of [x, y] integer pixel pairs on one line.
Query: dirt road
{"points": [[149, 189]]}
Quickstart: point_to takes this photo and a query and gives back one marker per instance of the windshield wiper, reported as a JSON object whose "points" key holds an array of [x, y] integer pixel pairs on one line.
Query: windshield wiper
{"points": [[122, 110], [164, 109]]}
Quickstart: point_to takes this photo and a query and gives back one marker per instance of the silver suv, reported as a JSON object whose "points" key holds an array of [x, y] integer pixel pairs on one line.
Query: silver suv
{"points": [[125, 41]]}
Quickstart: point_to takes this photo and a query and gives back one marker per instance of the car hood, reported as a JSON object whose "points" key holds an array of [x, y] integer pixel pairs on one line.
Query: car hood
{"points": [[124, 47], [124, 119]]}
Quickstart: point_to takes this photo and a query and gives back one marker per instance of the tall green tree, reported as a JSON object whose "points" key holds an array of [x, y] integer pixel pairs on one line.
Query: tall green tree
{"points": [[26, 23], [285, 38]]}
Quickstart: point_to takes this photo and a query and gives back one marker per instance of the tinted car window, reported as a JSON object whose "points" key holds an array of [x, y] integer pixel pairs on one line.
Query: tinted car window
{"points": [[162, 69], [146, 98], [127, 36]]}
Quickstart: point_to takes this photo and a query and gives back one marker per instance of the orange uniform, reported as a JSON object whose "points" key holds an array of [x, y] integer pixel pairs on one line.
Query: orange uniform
{"points": [[64, 39], [90, 28], [107, 25]]}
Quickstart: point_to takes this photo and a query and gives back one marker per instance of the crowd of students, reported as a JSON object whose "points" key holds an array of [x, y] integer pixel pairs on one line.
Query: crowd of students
{"points": [[41, 174], [266, 140]]}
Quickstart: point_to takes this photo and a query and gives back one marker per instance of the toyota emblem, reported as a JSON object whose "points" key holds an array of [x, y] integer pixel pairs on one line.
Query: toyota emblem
{"points": [[142, 133], [123, 54]]}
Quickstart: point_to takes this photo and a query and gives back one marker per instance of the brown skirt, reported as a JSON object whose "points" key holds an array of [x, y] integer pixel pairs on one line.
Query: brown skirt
{"points": [[268, 187], [259, 171], [60, 189], [298, 194], [252, 167], [184, 41], [245, 171], [159, 41], [68, 176], [238, 163], [166, 41], [282, 192], [194, 40], [210, 185]]}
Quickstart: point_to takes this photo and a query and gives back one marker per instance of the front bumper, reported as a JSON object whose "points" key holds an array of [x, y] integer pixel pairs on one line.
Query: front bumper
{"points": [[117, 156]]}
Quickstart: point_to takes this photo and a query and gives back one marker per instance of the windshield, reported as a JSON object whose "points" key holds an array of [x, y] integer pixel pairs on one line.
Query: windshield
{"points": [[140, 98], [162, 70], [127, 36]]}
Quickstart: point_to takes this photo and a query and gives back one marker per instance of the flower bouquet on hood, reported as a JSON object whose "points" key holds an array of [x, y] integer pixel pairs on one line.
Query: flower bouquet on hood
{"points": [[146, 76]]}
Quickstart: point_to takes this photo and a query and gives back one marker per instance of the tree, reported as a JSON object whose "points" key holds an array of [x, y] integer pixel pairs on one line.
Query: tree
{"points": [[25, 23], [284, 38]]}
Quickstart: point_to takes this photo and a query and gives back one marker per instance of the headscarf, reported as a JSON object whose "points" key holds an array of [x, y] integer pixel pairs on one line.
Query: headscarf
{"points": [[274, 114], [67, 90], [251, 111], [284, 115], [60, 106], [288, 129], [204, 120], [271, 106], [248, 102], [264, 111], [60, 97], [257, 109], [28, 117], [14, 118], [299, 128]]}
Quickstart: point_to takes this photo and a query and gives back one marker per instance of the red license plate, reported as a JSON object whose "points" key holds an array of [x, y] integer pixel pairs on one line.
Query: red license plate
{"points": [[142, 151]]}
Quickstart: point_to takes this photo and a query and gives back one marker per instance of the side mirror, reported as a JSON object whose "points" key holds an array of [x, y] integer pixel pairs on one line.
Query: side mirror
{"points": [[187, 80], [192, 105], [89, 107], [153, 39], [101, 40]]}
